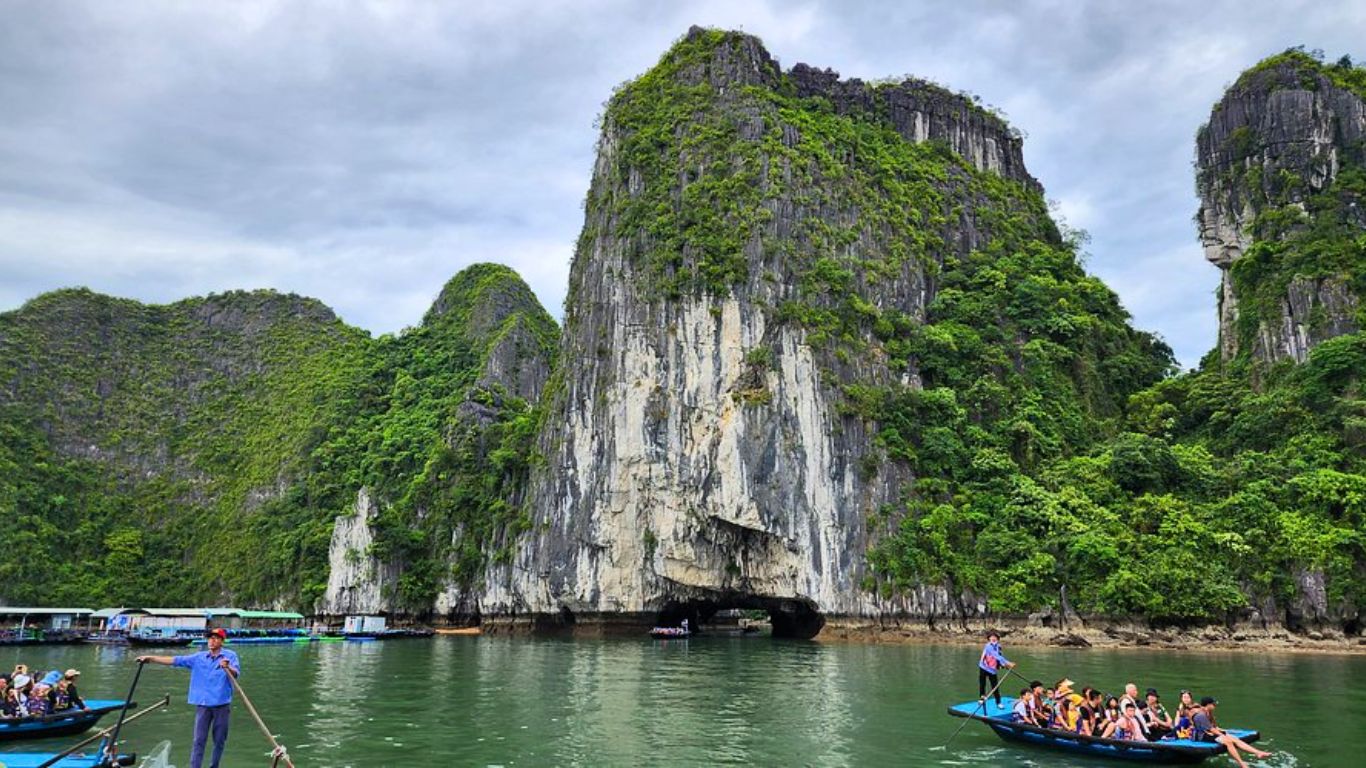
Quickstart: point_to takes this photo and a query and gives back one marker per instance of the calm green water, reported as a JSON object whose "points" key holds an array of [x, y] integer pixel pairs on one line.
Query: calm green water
{"points": [[499, 701]]}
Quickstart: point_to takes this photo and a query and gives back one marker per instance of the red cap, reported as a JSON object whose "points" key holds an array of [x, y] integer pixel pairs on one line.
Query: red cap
{"points": [[219, 633]]}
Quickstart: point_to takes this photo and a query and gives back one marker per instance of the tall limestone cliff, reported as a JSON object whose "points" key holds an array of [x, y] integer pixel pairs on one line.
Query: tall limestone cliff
{"points": [[762, 339], [1280, 176], [445, 485]]}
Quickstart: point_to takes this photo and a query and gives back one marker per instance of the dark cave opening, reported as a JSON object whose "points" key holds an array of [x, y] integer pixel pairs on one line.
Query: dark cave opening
{"points": [[789, 617]]}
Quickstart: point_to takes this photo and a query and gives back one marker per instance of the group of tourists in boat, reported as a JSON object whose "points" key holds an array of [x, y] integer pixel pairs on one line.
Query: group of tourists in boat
{"points": [[23, 694], [1092, 713]]}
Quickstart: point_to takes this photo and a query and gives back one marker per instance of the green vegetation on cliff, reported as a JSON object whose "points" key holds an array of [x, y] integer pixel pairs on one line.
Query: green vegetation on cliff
{"points": [[139, 436], [1239, 486], [199, 452]]}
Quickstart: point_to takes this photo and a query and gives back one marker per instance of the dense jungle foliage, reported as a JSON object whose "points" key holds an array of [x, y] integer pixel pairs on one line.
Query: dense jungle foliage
{"points": [[1232, 487], [199, 452]]}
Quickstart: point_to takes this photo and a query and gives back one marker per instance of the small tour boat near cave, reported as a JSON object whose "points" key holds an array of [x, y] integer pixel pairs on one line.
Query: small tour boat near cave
{"points": [[64, 723], [671, 632], [1164, 751]]}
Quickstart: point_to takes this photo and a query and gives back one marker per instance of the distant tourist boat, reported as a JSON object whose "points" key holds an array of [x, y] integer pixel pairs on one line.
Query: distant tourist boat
{"points": [[158, 639], [62, 723], [668, 632], [1165, 751], [460, 631]]}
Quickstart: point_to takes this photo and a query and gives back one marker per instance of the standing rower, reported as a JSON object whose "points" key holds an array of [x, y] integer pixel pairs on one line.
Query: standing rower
{"points": [[991, 661], [210, 692]]}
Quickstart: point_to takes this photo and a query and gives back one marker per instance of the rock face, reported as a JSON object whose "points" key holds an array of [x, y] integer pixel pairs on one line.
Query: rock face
{"points": [[922, 111], [698, 451], [357, 582], [1279, 138], [488, 324]]}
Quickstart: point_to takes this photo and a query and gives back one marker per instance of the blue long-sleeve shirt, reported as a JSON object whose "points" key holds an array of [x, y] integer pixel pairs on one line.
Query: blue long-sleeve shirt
{"points": [[209, 683], [992, 658]]}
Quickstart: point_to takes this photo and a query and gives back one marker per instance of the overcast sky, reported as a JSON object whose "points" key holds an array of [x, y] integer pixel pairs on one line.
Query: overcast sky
{"points": [[362, 153]]}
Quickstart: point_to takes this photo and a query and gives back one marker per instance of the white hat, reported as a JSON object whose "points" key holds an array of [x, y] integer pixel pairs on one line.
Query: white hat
{"points": [[22, 680]]}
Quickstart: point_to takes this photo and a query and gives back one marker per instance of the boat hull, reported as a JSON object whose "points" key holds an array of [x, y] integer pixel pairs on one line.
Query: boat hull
{"points": [[160, 642], [1164, 752], [35, 759], [64, 723]]}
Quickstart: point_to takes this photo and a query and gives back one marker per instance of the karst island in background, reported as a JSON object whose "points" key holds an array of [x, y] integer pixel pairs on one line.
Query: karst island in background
{"points": [[824, 355]]}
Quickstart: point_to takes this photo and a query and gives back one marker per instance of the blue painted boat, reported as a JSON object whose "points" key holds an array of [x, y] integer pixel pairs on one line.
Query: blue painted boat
{"points": [[1165, 751], [249, 641], [62, 723], [92, 759]]}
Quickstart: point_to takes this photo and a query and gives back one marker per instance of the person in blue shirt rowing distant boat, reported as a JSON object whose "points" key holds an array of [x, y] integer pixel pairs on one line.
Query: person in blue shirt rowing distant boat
{"points": [[210, 692], [991, 661]]}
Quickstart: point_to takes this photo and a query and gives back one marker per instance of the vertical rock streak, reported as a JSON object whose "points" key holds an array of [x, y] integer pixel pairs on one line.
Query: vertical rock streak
{"points": [[697, 450]]}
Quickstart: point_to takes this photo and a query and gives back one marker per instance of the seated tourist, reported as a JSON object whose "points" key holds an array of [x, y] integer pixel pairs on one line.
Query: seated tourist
{"points": [[1088, 712], [70, 676], [59, 696], [1110, 713], [1127, 727], [36, 706], [20, 686], [1130, 694], [1023, 711], [9, 701], [1181, 724], [1205, 729], [1063, 690], [1156, 721], [1041, 712], [1066, 716]]}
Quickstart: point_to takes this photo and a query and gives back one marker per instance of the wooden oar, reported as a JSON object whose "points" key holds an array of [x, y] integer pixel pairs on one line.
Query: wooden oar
{"points": [[981, 704], [127, 702], [101, 734], [277, 751]]}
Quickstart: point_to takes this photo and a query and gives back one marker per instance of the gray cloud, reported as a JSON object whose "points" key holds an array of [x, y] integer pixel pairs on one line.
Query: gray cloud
{"points": [[363, 153]]}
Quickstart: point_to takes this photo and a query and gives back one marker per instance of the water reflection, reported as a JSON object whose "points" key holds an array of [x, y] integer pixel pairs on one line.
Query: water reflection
{"points": [[513, 702]]}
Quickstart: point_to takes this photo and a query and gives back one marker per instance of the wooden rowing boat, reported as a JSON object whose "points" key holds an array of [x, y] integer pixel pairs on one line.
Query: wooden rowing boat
{"points": [[64, 723], [1165, 751]]}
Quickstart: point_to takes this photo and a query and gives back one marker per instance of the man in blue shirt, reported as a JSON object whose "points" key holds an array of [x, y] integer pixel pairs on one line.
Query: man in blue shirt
{"points": [[210, 693]]}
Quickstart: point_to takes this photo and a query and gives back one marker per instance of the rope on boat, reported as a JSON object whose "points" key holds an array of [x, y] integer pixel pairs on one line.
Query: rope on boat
{"points": [[278, 751]]}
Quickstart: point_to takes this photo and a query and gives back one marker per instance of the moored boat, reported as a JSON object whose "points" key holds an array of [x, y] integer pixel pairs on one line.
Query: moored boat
{"points": [[39, 759], [1165, 751], [460, 631], [62, 723], [253, 640], [161, 640]]}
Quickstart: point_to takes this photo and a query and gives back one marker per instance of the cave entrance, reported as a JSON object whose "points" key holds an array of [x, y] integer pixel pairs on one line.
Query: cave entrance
{"points": [[792, 618]]}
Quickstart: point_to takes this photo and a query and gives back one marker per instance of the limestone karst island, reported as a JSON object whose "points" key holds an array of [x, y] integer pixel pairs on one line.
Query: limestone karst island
{"points": [[833, 402]]}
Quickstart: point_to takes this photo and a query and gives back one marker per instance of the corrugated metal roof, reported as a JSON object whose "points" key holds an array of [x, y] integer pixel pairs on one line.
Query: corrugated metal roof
{"points": [[14, 610], [223, 612], [270, 615], [181, 612], [107, 613]]}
